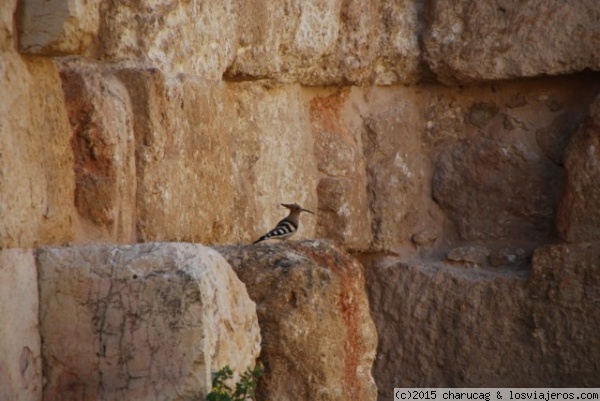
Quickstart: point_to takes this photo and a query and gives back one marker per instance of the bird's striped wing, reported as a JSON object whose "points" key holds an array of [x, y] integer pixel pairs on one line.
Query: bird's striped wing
{"points": [[284, 229]]}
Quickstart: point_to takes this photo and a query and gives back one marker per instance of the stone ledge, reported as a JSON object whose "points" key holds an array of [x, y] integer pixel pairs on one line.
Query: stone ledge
{"points": [[318, 339], [146, 321]]}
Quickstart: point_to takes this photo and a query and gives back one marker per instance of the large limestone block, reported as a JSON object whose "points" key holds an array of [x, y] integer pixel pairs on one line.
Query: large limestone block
{"points": [[398, 170], [177, 37], [272, 156], [36, 162], [183, 163], [149, 321], [342, 189], [285, 41], [21, 362], [318, 338], [100, 114], [489, 40], [328, 42], [448, 327], [579, 209], [57, 27], [443, 326]]}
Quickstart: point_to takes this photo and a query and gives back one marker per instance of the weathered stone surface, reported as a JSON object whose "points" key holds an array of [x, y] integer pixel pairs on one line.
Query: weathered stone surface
{"points": [[564, 286], [432, 326], [286, 39], [399, 54], [176, 37], [328, 42], [398, 169], [554, 138], [184, 169], [57, 27], [342, 189], [272, 156], [310, 42], [468, 256], [441, 326], [7, 9], [321, 42], [190, 160], [318, 338], [472, 41], [579, 213], [102, 142], [356, 46], [36, 175], [147, 321], [424, 237], [497, 189], [307, 41], [509, 136], [21, 362], [405, 132]]}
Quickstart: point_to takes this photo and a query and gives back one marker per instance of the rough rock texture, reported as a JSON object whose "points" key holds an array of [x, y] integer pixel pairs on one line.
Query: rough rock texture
{"points": [[399, 57], [7, 9], [193, 120], [102, 143], [21, 362], [473, 177], [147, 321], [195, 38], [189, 159], [328, 42], [323, 42], [428, 140], [564, 286], [468, 256], [36, 175], [319, 341], [273, 158], [578, 214], [489, 40], [57, 27], [493, 177], [342, 188], [443, 326], [397, 169], [203, 144], [311, 42], [287, 38], [182, 157]]}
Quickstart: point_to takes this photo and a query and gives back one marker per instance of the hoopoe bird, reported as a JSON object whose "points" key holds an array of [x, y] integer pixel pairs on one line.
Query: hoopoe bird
{"points": [[286, 227]]}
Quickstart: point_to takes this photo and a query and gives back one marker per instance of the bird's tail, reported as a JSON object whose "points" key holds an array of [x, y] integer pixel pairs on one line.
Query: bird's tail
{"points": [[264, 237]]}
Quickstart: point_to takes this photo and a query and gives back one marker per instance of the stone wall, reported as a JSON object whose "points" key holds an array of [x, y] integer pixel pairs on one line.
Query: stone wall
{"points": [[442, 131], [163, 113]]}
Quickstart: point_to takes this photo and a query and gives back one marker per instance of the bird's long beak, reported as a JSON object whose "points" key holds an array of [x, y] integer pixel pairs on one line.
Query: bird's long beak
{"points": [[306, 210]]}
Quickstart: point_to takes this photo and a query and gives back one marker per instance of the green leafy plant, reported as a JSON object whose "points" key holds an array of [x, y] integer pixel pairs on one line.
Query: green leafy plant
{"points": [[245, 389]]}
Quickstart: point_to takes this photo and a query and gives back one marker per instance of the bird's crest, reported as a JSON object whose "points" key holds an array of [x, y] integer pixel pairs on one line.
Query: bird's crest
{"points": [[295, 207]]}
